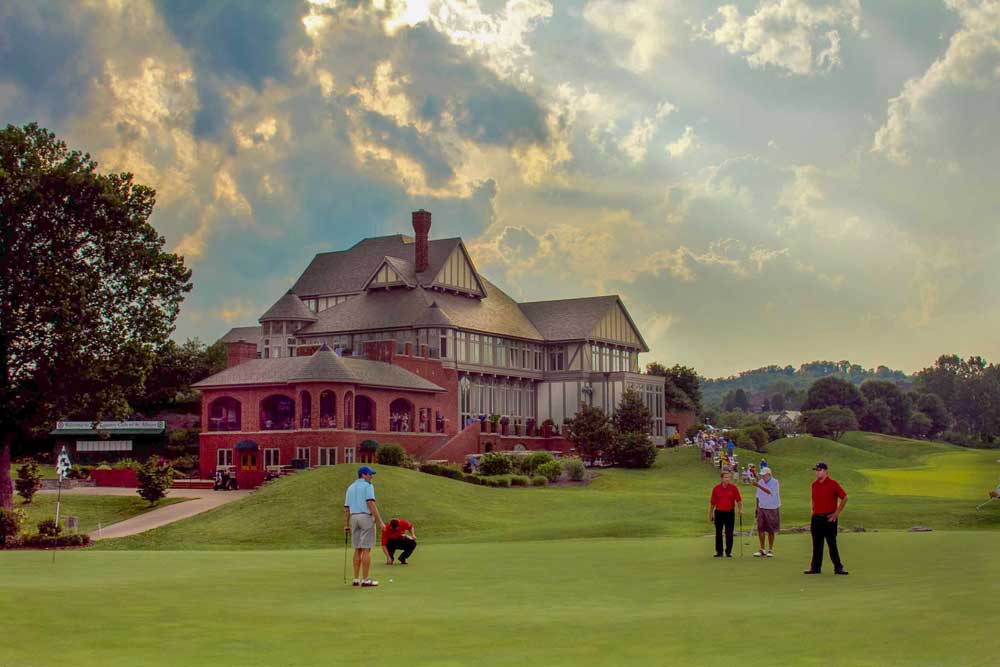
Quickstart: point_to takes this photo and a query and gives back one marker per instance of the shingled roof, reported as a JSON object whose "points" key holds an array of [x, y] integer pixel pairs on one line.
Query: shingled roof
{"points": [[288, 307], [401, 308], [571, 319], [242, 335], [321, 366]]}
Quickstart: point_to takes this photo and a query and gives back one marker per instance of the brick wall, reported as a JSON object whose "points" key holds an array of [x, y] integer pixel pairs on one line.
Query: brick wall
{"points": [[237, 353]]}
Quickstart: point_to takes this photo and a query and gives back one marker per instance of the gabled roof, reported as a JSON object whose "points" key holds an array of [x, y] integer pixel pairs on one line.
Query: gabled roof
{"points": [[394, 309], [321, 366], [242, 335], [399, 268], [288, 307], [574, 319]]}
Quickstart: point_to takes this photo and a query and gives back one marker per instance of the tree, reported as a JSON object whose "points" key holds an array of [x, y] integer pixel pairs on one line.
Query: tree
{"points": [[632, 450], [920, 425], [683, 387], [175, 368], [778, 403], [155, 477], [590, 432], [632, 415], [758, 436], [830, 392], [932, 406], [87, 292], [736, 400], [898, 403], [29, 480], [831, 422], [877, 417]]}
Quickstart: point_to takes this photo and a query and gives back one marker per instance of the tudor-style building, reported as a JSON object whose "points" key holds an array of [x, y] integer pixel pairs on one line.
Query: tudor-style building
{"points": [[460, 350]]}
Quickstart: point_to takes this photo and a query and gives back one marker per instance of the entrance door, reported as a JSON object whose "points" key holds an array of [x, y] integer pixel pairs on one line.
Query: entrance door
{"points": [[248, 462]]}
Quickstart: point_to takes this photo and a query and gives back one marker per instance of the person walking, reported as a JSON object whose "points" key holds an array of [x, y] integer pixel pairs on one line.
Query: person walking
{"points": [[828, 501], [360, 517], [723, 504], [395, 538], [768, 511]]}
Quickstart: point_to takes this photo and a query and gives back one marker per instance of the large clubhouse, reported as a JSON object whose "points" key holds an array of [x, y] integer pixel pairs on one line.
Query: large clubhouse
{"points": [[400, 339]]}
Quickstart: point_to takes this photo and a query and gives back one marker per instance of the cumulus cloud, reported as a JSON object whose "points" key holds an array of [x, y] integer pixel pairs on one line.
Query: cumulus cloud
{"points": [[798, 36], [950, 109], [684, 144], [638, 31]]}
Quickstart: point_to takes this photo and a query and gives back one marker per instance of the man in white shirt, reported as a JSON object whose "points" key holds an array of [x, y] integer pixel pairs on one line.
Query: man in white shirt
{"points": [[768, 511]]}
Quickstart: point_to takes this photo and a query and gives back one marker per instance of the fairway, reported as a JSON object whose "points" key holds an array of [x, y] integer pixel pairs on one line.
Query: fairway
{"points": [[914, 599]]}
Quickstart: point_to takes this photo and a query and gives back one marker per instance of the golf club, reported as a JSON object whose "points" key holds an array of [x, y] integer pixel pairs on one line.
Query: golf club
{"points": [[981, 505], [742, 536], [346, 537]]}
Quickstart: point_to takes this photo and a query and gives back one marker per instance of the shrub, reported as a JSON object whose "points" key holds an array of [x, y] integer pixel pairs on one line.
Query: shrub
{"points": [[49, 542], [829, 422], [28, 481], [155, 476], [551, 471], [10, 524], [575, 469], [520, 480], [758, 438], [500, 481], [472, 479], [126, 464], [633, 450], [391, 454], [495, 463], [452, 473], [187, 463], [539, 480], [537, 459], [432, 468], [49, 528], [772, 430]]}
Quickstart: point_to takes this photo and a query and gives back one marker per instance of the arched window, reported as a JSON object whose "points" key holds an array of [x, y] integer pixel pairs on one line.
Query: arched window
{"points": [[277, 413], [349, 411], [328, 410], [401, 416], [305, 409], [224, 414], [364, 414]]}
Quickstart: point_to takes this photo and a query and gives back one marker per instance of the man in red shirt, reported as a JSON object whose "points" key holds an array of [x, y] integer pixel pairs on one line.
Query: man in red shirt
{"points": [[725, 499], [828, 501], [394, 537]]}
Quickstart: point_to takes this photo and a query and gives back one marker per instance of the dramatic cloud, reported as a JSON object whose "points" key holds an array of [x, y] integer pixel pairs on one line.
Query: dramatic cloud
{"points": [[799, 36]]}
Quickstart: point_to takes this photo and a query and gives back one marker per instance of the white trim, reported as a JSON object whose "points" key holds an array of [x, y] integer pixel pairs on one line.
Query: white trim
{"points": [[329, 454]]}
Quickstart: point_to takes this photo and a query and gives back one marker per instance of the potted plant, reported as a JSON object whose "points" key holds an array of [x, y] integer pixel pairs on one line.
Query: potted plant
{"points": [[548, 427], [531, 428], [494, 421], [504, 424]]}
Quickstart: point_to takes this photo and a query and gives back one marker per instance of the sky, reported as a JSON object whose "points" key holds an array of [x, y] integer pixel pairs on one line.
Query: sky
{"points": [[763, 182]]}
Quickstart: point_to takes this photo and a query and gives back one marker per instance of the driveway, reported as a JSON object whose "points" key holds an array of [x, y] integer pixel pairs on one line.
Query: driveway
{"points": [[200, 500]]}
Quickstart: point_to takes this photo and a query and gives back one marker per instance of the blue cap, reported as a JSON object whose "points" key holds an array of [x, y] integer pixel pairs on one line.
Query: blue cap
{"points": [[365, 470]]}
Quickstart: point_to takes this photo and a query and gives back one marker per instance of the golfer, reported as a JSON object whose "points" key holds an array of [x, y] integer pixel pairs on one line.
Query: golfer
{"points": [[768, 511], [395, 537], [721, 512], [360, 517], [828, 501]]}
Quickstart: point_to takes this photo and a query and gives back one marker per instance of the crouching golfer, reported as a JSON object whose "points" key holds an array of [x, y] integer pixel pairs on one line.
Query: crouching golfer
{"points": [[828, 501], [721, 512], [395, 538], [768, 511], [360, 517]]}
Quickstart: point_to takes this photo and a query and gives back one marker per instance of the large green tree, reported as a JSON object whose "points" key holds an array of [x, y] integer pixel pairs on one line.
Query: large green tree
{"points": [[832, 391], [900, 405], [87, 291], [683, 386], [590, 432]]}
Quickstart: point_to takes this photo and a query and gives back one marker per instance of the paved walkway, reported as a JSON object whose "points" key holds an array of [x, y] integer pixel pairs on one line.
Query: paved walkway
{"points": [[201, 500]]}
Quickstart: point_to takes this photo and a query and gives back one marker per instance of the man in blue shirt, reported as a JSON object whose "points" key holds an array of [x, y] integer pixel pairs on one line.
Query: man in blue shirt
{"points": [[360, 516], [730, 446]]}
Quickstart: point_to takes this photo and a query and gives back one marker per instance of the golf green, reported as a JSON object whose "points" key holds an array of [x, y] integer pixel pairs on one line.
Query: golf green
{"points": [[911, 599]]}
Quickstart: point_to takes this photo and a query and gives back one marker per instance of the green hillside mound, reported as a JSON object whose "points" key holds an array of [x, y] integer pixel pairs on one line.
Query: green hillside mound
{"points": [[893, 483]]}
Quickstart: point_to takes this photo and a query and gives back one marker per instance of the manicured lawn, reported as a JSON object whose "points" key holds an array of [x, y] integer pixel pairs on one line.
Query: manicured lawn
{"points": [[305, 510], [48, 472], [90, 510], [911, 599]]}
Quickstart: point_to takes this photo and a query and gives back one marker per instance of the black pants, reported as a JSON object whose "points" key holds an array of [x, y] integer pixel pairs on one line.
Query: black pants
{"points": [[824, 529], [407, 547], [725, 520]]}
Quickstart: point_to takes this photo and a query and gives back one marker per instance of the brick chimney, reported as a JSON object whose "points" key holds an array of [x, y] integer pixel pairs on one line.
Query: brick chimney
{"points": [[421, 226]]}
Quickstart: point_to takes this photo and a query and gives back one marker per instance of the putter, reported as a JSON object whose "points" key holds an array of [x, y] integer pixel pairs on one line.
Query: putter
{"points": [[346, 536], [742, 536]]}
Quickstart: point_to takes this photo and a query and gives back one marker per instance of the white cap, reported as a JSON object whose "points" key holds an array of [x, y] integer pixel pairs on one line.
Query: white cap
{"points": [[765, 471]]}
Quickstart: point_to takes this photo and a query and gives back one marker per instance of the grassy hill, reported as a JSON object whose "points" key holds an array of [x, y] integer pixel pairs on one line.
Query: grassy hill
{"points": [[893, 483]]}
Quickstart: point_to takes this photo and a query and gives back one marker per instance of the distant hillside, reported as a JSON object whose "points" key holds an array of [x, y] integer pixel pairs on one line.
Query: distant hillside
{"points": [[791, 382]]}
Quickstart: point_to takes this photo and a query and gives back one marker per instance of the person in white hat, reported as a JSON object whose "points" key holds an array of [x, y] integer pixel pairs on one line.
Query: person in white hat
{"points": [[768, 511]]}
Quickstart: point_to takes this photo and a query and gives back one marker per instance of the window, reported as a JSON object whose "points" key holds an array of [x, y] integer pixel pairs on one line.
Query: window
{"points": [[224, 457], [104, 446], [327, 456], [444, 344], [348, 454], [272, 458], [475, 344], [303, 453], [224, 414], [438, 422], [487, 350], [556, 360], [460, 346], [267, 353]]}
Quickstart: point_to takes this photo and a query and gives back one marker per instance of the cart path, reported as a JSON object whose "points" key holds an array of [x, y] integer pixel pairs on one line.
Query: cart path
{"points": [[200, 500]]}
